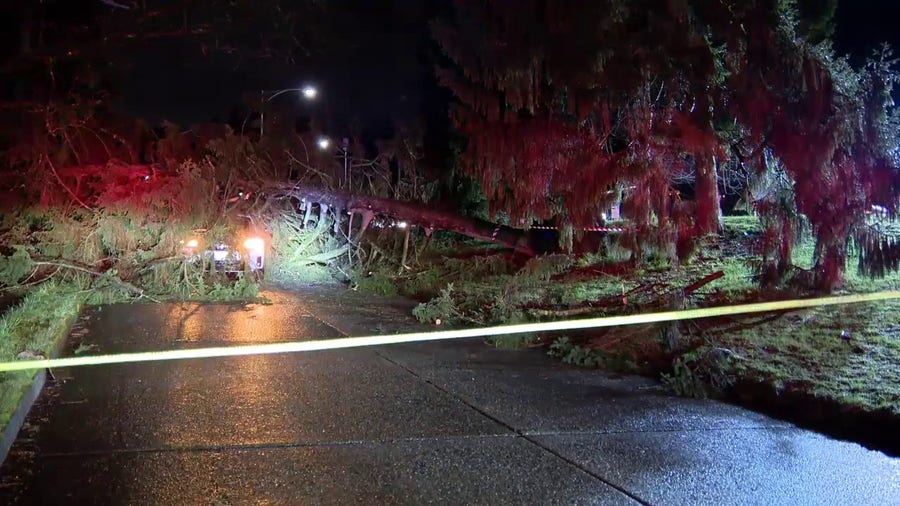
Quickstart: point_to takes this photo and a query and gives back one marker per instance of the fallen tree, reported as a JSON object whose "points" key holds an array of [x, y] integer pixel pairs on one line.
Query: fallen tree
{"points": [[125, 225], [413, 213]]}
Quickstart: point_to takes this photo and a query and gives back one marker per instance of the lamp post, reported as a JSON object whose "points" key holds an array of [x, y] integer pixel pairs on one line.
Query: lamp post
{"points": [[308, 92], [325, 143], [345, 147]]}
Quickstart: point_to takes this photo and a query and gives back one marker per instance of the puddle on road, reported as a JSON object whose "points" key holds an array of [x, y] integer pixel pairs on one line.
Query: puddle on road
{"points": [[350, 311]]}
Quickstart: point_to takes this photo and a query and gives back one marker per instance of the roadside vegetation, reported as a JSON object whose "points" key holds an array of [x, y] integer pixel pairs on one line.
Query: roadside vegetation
{"points": [[845, 355], [115, 255], [113, 233], [59, 261], [567, 128], [32, 329]]}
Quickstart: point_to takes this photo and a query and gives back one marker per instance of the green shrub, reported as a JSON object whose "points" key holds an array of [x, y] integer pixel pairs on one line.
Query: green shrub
{"points": [[378, 283], [512, 341], [704, 372], [570, 353], [541, 269], [15, 267], [442, 308], [684, 381], [426, 281]]}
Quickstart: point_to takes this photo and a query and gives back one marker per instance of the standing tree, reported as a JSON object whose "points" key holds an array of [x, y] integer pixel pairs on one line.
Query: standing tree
{"points": [[562, 103], [66, 61], [832, 128]]}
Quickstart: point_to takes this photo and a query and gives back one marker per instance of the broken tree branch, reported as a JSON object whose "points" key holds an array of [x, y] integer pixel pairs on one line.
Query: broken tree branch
{"points": [[414, 213], [68, 190], [75, 266], [700, 283]]}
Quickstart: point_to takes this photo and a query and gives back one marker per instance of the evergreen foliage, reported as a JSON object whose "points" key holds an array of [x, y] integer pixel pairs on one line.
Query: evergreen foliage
{"points": [[566, 104]]}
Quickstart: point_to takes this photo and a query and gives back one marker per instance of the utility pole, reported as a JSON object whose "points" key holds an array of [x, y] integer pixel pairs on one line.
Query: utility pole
{"points": [[262, 107], [308, 92], [345, 146]]}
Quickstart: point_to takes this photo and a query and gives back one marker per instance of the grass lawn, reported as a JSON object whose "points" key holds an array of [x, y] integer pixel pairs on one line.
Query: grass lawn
{"points": [[805, 351], [36, 324], [802, 351]]}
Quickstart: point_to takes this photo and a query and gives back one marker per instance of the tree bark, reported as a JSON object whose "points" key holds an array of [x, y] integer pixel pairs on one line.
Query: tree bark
{"points": [[709, 208], [413, 213], [830, 265]]}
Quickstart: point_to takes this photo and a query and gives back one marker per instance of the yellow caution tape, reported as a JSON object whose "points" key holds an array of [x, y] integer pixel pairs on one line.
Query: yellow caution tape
{"points": [[355, 342]]}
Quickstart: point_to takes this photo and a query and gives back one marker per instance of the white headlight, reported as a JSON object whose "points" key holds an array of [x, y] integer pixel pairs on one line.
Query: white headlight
{"points": [[254, 243]]}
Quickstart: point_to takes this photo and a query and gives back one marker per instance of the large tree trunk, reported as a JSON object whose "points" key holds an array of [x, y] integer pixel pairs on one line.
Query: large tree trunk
{"points": [[831, 260], [413, 213], [709, 206]]}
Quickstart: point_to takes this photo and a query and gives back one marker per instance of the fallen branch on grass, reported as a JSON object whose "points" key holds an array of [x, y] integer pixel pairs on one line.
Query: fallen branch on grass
{"points": [[700, 283], [158, 261], [621, 300], [323, 258], [75, 266]]}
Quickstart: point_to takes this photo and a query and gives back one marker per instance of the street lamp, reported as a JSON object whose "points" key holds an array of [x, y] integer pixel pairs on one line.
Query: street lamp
{"points": [[308, 92], [325, 143]]}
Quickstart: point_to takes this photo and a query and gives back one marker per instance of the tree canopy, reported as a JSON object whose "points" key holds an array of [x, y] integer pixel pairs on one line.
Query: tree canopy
{"points": [[565, 108], [564, 103]]}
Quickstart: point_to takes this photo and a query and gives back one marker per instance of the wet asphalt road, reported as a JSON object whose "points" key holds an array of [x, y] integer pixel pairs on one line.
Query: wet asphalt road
{"points": [[448, 423]]}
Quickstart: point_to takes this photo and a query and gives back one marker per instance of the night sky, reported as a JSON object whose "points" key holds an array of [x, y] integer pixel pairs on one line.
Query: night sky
{"points": [[377, 68], [381, 72], [372, 60], [863, 25]]}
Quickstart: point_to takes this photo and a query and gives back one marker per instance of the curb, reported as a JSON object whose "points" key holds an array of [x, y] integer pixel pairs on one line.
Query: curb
{"points": [[17, 420], [11, 432]]}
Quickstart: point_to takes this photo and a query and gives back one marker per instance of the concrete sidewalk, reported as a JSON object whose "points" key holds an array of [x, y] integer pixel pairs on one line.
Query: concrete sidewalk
{"points": [[451, 422]]}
